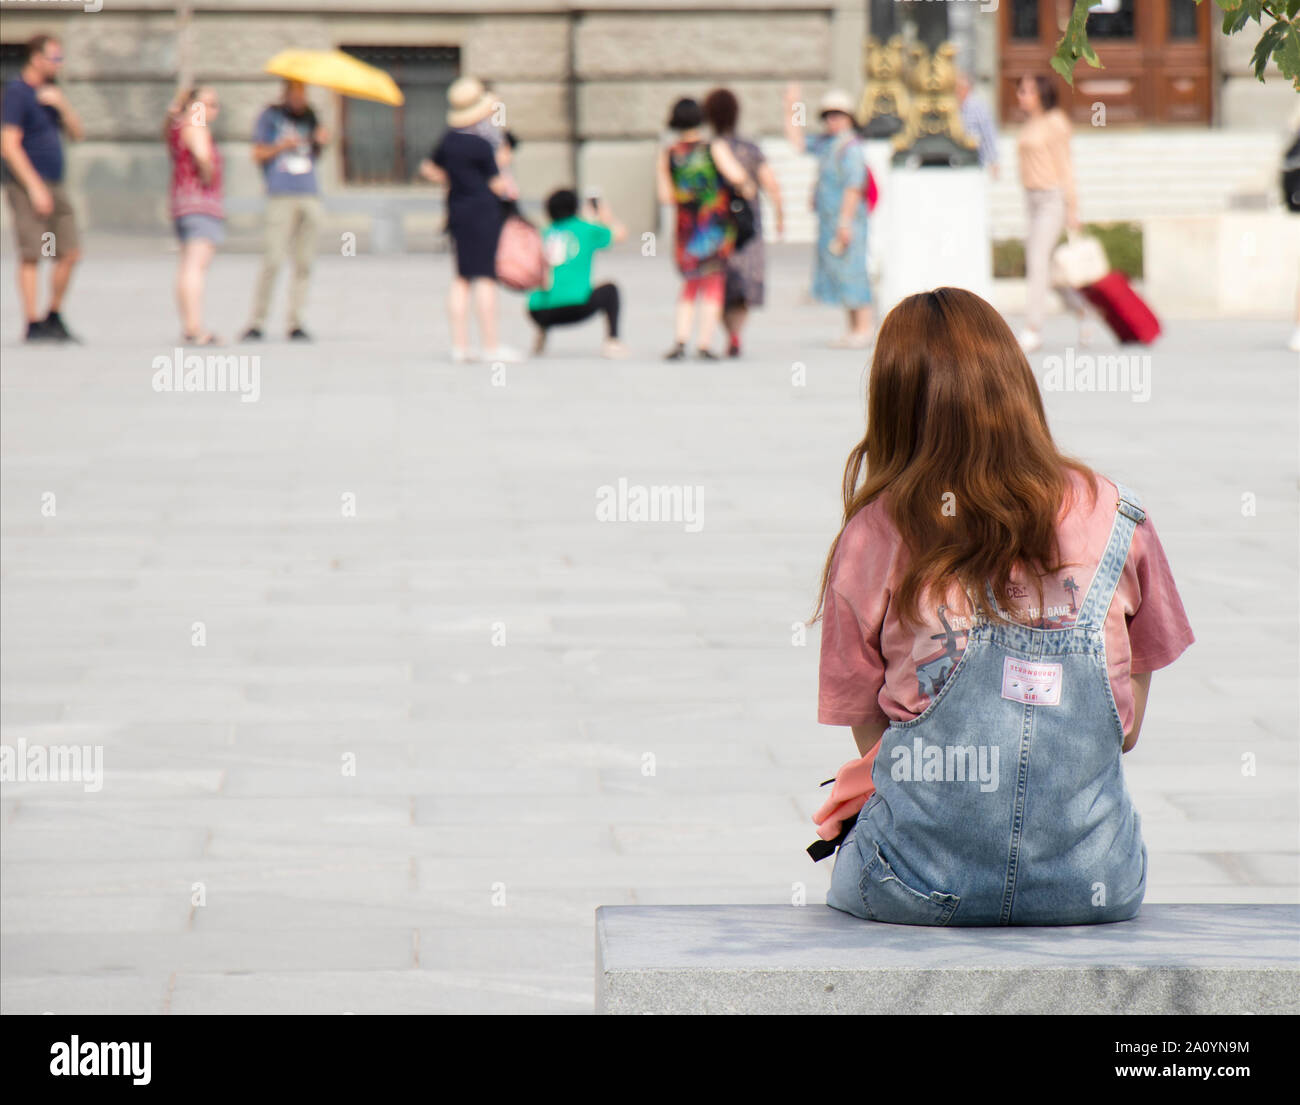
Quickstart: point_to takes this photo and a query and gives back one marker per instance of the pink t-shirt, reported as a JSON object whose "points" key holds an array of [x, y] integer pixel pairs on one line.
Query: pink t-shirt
{"points": [[875, 670]]}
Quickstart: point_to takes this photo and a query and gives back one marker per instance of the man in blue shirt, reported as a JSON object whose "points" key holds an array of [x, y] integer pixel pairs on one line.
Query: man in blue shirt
{"points": [[33, 116], [287, 140], [977, 121]]}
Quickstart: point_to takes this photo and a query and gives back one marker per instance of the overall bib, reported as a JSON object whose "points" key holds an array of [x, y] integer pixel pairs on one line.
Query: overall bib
{"points": [[1004, 802]]}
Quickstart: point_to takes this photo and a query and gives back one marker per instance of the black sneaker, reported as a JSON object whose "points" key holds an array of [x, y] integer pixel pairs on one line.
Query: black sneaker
{"points": [[37, 331], [251, 334], [676, 353], [55, 330], [299, 334]]}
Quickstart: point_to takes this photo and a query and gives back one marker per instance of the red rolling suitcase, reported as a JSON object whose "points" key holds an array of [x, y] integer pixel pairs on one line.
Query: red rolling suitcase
{"points": [[1123, 309]]}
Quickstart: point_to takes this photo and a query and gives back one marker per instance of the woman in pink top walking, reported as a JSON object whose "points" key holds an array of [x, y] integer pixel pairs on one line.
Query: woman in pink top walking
{"points": [[195, 200], [993, 611], [1051, 202]]}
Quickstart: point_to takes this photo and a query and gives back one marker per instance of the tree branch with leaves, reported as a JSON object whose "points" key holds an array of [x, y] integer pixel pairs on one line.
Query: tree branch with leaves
{"points": [[1279, 42]]}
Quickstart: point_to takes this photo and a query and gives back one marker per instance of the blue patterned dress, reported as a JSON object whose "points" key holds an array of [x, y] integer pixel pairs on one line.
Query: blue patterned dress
{"points": [[840, 281]]}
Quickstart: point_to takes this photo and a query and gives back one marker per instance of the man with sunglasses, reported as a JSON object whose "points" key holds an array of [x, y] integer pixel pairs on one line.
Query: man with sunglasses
{"points": [[33, 117]]}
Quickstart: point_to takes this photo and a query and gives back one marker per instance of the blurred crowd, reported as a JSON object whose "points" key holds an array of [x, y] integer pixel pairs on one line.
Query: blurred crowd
{"points": [[708, 172]]}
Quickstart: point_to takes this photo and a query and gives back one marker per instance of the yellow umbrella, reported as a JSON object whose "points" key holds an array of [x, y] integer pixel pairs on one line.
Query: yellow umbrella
{"points": [[336, 70]]}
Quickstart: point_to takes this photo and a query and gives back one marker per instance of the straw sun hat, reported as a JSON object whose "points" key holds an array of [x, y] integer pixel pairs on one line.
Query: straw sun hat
{"points": [[835, 100], [468, 102]]}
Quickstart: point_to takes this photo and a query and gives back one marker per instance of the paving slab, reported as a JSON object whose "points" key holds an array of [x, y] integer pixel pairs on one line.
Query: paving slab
{"points": [[588, 713]]}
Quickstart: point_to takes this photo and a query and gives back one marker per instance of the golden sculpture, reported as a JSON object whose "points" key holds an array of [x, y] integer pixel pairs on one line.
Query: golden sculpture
{"points": [[885, 93], [905, 82]]}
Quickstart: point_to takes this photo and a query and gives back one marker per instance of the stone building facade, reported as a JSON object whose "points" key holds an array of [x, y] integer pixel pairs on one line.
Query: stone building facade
{"points": [[587, 83]]}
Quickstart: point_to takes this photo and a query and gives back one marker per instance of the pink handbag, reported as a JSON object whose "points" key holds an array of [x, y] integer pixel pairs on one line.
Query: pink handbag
{"points": [[521, 261]]}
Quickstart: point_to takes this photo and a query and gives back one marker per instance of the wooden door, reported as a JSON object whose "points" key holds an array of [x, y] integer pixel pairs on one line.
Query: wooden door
{"points": [[1156, 55]]}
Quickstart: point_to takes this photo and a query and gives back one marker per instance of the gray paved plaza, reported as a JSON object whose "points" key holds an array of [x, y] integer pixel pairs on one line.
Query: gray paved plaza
{"points": [[377, 690]]}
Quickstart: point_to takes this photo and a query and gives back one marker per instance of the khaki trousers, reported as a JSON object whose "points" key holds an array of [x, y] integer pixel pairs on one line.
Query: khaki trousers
{"points": [[292, 223], [1045, 212]]}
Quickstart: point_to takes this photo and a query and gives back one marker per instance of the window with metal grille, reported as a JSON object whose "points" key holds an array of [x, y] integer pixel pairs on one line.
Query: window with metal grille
{"points": [[13, 56], [926, 23], [382, 144]]}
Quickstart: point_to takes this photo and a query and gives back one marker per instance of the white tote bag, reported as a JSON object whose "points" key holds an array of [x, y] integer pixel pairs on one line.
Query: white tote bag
{"points": [[1078, 261]]}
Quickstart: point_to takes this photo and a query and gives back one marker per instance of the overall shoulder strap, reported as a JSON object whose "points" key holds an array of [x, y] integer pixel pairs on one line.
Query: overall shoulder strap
{"points": [[1128, 516]]}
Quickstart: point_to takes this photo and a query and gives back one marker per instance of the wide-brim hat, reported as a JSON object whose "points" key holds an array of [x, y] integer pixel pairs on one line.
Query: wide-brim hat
{"points": [[468, 102], [835, 100]]}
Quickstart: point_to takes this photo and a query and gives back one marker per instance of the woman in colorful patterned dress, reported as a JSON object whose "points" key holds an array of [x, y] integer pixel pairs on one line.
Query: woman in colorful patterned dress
{"points": [[840, 269], [699, 176]]}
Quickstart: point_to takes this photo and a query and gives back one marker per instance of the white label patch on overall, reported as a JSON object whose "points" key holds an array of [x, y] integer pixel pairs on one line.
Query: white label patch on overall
{"points": [[1033, 684]]}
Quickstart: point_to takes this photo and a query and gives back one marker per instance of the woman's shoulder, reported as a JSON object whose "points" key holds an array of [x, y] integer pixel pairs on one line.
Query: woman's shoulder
{"points": [[867, 556], [872, 525], [1087, 494], [464, 139]]}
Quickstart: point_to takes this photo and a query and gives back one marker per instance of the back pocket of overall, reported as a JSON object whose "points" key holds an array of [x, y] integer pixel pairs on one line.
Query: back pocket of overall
{"points": [[885, 897]]}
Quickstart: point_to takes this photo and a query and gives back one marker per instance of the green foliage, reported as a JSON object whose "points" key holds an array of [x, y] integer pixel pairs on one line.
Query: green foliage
{"points": [[1008, 259], [1279, 42], [1074, 43], [1123, 245], [1121, 241]]}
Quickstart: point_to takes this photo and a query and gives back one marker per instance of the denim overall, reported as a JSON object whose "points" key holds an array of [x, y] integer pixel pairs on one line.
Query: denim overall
{"points": [[1004, 802]]}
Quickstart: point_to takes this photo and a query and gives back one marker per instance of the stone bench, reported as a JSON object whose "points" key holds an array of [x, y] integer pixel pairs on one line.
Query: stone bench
{"points": [[814, 959]]}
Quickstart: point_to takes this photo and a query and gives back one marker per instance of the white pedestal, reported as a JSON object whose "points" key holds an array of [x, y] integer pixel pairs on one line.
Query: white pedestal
{"points": [[932, 230]]}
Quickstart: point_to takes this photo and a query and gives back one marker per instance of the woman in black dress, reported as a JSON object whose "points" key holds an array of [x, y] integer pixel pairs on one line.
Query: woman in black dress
{"points": [[465, 160]]}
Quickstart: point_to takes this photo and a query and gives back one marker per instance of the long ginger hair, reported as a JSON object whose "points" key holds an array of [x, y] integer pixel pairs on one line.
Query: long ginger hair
{"points": [[957, 439]]}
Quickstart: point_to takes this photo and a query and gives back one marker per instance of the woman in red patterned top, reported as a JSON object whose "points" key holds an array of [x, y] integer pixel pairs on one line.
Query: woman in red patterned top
{"points": [[196, 207]]}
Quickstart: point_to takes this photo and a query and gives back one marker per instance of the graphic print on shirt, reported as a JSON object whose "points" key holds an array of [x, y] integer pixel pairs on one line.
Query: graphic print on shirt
{"points": [[296, 160], [560, 246], [934, 664], [932, 672]]}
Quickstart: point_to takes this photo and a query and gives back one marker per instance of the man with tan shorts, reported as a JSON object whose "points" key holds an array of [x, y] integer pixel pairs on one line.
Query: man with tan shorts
{"points": [[35, 115]]}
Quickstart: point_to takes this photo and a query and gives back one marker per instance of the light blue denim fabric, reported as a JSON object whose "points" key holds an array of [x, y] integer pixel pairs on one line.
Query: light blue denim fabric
{"points": [[1057, 841]]}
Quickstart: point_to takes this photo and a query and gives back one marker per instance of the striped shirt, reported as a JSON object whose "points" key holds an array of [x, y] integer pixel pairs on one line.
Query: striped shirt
{"points": [[977, 122]]}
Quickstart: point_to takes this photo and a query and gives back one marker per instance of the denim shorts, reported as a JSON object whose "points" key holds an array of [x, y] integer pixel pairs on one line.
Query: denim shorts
{"points": [[211, 227]]}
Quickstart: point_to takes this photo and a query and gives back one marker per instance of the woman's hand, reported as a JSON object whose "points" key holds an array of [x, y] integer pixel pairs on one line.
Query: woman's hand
{"points": [[430, 172], [794, 133]]}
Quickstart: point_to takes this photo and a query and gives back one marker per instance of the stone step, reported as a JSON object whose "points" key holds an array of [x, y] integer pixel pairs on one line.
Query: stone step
{"points": [[813, 959], [1122, 176]]}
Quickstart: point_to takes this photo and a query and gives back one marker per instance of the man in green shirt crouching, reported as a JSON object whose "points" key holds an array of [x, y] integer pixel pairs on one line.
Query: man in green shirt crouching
{"points": [[570, 244]]}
